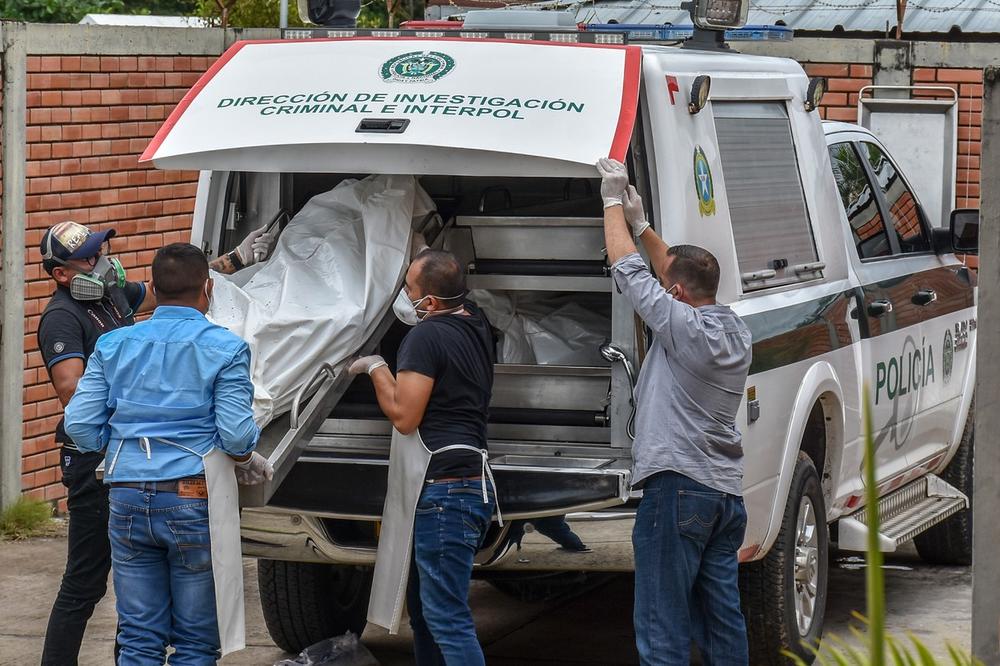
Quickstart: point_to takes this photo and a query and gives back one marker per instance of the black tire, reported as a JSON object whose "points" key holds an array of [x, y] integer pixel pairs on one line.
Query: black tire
{"points": [[304, 603], [950, 541], [767, 586]]}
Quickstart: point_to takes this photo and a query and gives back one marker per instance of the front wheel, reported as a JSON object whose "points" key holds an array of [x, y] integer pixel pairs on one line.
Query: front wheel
{"points": [[304, 603], [784, 594]]}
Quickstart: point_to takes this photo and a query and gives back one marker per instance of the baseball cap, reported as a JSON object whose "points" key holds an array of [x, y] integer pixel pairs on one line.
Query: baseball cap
{"points": [[70, 240]]}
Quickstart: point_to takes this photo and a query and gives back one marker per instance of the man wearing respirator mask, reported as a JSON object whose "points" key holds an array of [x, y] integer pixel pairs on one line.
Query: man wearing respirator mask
{"points": [[92, 297]]}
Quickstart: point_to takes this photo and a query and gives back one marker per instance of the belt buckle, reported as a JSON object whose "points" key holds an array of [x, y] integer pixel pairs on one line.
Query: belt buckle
{"points": [[195, 488]]}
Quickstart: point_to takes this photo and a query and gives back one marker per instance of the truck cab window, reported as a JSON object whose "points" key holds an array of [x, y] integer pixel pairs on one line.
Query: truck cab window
{"points": [[771, 225], [904, 211], [859, 202]]}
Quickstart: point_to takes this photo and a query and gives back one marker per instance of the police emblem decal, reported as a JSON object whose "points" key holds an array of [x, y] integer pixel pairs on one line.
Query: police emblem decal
{"points": [[417, 67], [947, 356], [703, 184]]}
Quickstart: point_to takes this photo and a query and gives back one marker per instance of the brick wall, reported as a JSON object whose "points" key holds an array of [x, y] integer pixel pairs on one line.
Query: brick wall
{"points": [[843, 84], [88, 120]]}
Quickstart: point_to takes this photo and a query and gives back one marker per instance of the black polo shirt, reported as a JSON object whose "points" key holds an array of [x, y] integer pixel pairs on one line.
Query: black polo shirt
{"points": [[457, 352], [70, 328]]}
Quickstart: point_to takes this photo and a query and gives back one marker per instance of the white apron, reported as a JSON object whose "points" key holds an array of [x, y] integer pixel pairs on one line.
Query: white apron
{"points": [[224, 531], [408, 462], [227, 551]]}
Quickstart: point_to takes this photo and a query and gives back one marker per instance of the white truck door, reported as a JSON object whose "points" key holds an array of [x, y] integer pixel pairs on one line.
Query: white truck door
{"points": [[910, 297], [457, 107]]}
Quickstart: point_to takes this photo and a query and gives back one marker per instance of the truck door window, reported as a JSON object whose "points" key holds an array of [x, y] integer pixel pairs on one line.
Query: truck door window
{"points": [[771, 226], [903, 209], [859, 201]]}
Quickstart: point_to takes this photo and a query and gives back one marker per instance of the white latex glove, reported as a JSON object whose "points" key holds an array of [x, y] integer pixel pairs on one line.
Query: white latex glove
{"points": [[256, 246], [365, 364], [614, 180], [257, 469], [634, 214]]}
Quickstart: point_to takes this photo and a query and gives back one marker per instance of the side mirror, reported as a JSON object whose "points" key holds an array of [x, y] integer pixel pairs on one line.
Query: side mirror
{"points": [[965, 230]]}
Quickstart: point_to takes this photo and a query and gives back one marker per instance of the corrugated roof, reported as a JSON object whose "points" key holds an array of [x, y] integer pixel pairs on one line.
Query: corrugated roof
{"points": [[923, 16]]}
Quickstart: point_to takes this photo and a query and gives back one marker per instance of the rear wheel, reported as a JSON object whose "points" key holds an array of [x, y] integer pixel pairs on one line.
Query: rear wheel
{"points": [[784, 594], [304, 603], [950, 541]]}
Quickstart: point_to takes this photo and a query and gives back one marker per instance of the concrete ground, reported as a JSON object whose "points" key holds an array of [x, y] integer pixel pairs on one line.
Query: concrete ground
{"points": [[934, 603]]}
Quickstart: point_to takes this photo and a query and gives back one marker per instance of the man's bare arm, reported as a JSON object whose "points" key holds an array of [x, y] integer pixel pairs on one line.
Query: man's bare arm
{"points": [[656, 249], [65, 376], [617, 235], [403, 399]]}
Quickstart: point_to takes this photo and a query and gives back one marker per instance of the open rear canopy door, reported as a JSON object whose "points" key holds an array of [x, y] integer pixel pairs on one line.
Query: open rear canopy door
{"points": [[406, 105]]}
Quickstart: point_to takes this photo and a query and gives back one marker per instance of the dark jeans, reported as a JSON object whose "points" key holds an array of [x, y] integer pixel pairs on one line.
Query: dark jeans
{"points": [[449, 527], [686, 540], [88, 558], [554, 527]]}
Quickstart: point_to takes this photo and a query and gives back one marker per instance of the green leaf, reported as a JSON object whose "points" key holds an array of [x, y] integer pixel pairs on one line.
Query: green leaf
{"points": [[794, 658], [957, 656], [874, 577], [926, 658], [852, 652], [900, 655]]}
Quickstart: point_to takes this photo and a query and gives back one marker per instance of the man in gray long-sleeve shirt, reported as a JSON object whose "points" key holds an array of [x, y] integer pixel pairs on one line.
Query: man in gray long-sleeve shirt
{"points": [[688, 456]]}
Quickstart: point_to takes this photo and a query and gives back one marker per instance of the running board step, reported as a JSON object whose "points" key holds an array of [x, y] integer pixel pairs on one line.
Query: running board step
{"points": [[903, 514]]}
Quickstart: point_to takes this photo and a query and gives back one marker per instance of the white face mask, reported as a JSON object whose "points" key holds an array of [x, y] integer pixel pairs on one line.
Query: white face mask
{"points": [[404, 310]]}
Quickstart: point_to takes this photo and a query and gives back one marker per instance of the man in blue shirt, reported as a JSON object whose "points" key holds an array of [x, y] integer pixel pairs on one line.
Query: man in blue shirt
{"points": [[91, 297], [158, 397]]}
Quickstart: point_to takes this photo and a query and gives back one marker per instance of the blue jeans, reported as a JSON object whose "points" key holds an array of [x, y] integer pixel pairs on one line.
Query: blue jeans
{"points": [[162, 568], [450, 524], [686, 539]]}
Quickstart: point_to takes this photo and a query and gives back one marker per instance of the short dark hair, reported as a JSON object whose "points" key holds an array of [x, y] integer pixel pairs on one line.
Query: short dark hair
{"points": [[695, 268], [440, 274], [179, 272]]}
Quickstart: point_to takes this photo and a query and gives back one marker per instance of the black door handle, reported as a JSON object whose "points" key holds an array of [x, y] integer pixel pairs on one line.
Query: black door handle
{"points": [[924, 297], [879, 308]]}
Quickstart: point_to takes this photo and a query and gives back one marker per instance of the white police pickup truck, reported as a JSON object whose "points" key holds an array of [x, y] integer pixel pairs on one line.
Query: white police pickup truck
{"points": [[825, 252]]}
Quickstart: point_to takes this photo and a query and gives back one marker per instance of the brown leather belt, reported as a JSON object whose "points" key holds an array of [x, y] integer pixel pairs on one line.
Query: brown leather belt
{"points": [[192, 486]]}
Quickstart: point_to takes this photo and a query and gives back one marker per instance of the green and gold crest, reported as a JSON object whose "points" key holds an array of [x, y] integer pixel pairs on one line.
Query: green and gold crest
{"points": [[703, 184], [417, 67]]}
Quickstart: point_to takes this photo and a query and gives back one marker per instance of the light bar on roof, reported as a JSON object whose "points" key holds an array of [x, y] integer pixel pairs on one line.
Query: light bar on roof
{"points": [[640, 32], [562, 36]]}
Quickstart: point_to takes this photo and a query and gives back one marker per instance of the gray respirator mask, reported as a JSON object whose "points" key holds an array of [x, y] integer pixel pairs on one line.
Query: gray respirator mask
{"points": [[92, 286]]}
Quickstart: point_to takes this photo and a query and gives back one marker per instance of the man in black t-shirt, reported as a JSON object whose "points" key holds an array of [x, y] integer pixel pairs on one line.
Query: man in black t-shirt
{"points": [[442, 389], [92, 297]]}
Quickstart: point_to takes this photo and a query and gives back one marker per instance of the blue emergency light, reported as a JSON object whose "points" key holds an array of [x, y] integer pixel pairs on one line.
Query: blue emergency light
{"points": [[642, 32]]}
